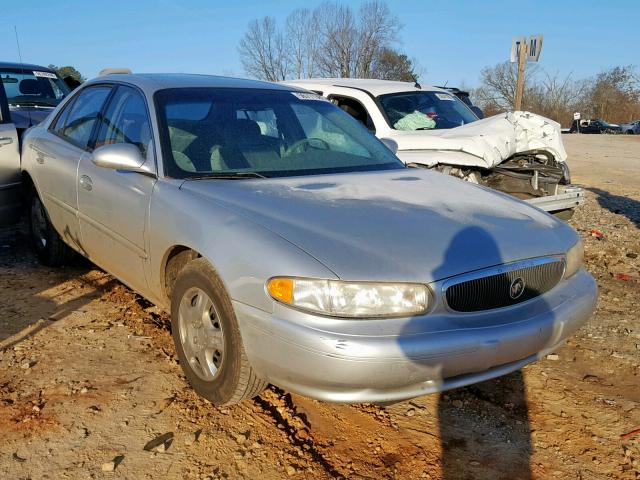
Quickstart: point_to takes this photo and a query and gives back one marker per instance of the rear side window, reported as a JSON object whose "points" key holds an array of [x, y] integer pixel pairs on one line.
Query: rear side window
{"points": [[125, 121], [78, 119]]}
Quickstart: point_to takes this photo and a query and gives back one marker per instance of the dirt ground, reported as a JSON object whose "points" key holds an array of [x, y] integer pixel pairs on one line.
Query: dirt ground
{"points": [[88, 376]]}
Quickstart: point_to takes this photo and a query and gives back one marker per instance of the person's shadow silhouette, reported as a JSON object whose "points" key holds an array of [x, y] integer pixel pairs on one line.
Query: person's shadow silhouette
{"points": [[484, 428]]}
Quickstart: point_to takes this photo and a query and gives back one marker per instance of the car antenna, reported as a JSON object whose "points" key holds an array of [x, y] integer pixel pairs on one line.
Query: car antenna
{"points": [[15, 29]]}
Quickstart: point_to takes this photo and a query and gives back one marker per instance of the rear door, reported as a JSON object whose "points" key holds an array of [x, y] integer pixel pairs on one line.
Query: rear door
{"points": [[114, 205], [9, 165], [58, 154]]}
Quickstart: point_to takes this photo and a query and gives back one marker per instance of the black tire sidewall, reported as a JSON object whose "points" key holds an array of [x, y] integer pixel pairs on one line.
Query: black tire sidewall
{"points": [[223, 387], [45, 253]]}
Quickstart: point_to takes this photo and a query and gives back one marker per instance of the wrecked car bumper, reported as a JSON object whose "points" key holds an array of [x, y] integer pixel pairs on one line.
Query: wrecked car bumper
{"points": [[397, 359], [570, 197]]}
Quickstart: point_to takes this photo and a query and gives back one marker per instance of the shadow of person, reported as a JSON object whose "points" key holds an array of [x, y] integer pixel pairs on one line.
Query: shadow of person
{"points": [[626, 206], [484, 427]]}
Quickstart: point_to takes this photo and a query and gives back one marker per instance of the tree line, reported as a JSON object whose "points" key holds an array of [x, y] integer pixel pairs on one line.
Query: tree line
{"points": [[332, 40], [612, 94]]}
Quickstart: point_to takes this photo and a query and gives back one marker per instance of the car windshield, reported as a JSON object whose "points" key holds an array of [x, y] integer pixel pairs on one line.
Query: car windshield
{"points": [[209, 132], [421, 110], [32, 87]]}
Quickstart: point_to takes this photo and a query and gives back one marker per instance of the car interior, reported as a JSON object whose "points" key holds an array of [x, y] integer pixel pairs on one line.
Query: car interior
{"points": [[236, 137]]}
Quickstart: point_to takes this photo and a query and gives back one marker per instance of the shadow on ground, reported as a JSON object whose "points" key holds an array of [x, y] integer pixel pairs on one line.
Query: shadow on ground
{"points": [[27, 308], [618, 204]]}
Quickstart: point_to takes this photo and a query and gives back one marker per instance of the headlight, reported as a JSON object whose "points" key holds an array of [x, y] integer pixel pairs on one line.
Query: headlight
{"points": [[351, 299], [575, 257]]}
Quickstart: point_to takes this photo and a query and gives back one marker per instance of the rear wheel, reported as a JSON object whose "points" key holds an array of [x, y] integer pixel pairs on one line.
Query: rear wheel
{"points": [[207, 338], [49, 247]]}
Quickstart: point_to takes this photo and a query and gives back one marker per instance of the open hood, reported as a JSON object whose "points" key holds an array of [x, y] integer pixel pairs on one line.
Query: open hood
{"points": [[485, 143]]}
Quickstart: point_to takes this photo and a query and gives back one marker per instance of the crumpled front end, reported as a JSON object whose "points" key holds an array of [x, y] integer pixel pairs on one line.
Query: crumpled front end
{"points": [[519, 153]]}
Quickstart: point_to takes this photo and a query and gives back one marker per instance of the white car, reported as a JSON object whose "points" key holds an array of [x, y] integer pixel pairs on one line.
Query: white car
{"points": [[519, 153]]}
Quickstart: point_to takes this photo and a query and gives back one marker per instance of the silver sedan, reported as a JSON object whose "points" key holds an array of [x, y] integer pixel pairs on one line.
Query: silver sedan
{"points": [[292, 247]]}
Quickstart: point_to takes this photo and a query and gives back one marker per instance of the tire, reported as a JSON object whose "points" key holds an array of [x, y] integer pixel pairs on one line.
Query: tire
{"points": [[207, 338], [49, 246]]}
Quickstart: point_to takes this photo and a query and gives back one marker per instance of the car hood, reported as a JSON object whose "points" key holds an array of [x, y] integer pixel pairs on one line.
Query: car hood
{"points": [[410, 225], [485, 143]]}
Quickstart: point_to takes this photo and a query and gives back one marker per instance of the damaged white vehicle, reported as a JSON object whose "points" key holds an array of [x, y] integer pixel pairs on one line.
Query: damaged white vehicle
{"points": [[518, 153]]}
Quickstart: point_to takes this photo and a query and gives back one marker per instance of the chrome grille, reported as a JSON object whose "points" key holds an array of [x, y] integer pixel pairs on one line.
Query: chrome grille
{"points": [[495, 287]]}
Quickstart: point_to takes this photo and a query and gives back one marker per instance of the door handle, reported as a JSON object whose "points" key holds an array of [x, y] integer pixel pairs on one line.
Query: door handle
{"points": [[86, 183], [6, 141]]}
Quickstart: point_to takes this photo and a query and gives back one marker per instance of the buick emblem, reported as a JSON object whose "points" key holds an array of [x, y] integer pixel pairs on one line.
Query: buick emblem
{"points": [[516, 289]]}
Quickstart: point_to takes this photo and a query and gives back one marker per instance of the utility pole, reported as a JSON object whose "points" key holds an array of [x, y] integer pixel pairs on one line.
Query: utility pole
{"points": [[522, 60]]}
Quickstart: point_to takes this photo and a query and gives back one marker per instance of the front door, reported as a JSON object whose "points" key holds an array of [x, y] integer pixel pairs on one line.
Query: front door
{"points": [[113, 205]]}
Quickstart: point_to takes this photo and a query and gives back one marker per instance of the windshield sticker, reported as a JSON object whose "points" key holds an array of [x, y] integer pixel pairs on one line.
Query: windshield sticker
{"points": [[45, 74], [308, 96], [444, 96]]}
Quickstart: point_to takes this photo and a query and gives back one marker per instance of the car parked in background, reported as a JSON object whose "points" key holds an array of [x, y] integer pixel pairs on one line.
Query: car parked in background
{"points": [[631, 128], [292, 247], [597, 126], [519, 153], [28, 93]]}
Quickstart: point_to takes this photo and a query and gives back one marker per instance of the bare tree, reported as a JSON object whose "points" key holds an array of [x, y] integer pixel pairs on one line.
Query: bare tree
{"points": [[338, 32], [498, 86], [331, 40], [302, 43], [615, 95], [263, 51], [377, 29]]}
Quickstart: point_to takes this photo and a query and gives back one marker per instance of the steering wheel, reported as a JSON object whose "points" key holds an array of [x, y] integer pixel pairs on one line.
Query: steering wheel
{"points": [[304, 145]]}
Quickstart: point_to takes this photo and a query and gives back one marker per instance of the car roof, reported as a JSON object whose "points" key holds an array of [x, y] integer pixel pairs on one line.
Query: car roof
{"points": [[25, 66], [373, 86], [152, 82]]}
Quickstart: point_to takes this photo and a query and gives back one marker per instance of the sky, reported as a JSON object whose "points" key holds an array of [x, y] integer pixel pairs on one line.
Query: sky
{"points": [[451, 40]]}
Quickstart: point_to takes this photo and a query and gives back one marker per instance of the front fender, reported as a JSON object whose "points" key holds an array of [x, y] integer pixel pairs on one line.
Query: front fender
{"points": [[244, 254]]}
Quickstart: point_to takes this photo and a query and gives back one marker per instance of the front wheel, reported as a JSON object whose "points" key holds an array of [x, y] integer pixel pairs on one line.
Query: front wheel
{"points": [[207, 338], [49, 247]]}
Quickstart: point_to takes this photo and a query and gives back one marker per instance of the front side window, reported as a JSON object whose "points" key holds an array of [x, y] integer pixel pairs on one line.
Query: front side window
{"points": [[32, 88], [421, 110], [125, 121], [267, 132], [77, 120]]}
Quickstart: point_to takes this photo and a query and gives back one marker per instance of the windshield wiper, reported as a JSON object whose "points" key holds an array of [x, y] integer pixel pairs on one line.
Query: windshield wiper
{"points": [[227, 176]]}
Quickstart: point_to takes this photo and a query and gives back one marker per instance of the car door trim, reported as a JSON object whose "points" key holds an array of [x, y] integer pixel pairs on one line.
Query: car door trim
{"points": [[113, 235]]}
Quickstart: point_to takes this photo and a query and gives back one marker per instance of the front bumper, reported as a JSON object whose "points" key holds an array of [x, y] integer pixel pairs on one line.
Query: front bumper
{"points": [[395, 359], [570, 196]]}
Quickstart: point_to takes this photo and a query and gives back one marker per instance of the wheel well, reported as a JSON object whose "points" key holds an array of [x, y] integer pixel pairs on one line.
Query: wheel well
{"points": [[176, 260], [27, 185]]}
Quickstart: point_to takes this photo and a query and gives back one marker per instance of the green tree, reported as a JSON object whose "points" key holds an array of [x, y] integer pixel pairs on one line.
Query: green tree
{"points": [[390, 64], [68, 71]]}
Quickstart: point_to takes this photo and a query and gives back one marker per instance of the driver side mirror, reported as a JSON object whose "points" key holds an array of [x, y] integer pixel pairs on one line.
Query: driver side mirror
{"points": [[120, 156], [391, 144]]}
